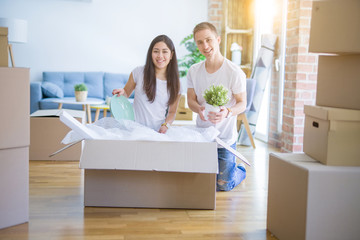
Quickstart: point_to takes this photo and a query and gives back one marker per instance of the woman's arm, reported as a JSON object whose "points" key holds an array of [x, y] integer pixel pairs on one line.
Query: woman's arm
{"points": [[128, 89], [171, 115]]}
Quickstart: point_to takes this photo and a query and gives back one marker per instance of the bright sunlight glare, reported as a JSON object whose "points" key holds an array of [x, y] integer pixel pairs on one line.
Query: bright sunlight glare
{"points": [[265, 13]]}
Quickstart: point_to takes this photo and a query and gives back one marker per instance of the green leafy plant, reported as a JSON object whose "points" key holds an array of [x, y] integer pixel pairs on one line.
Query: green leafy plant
{"points": [[80, 87], [216, 95], [189, 59]]}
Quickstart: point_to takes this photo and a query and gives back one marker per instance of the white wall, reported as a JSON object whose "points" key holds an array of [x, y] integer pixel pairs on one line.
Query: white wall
{"points": [[98, 35]]}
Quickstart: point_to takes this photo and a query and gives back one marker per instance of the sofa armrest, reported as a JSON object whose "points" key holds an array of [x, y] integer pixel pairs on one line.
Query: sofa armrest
{"points": [[35, 96]]}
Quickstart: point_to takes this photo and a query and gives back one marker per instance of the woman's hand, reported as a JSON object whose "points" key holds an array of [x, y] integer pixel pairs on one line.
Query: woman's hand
{"points": [[163, 129], [118, 91]]}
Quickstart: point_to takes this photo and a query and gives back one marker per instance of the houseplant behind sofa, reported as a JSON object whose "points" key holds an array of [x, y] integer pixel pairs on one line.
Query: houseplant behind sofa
{"points": [[57, 85]]}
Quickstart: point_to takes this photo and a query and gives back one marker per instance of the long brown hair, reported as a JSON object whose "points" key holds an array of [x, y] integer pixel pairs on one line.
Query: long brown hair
{"points": [[172, 72]]}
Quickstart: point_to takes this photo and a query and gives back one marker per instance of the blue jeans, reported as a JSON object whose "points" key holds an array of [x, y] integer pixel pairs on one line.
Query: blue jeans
{"points": [[229, 175]]}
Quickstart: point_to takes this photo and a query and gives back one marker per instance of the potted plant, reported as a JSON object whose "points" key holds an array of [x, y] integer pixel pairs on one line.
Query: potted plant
{"points": [[215, 96], [81, 92], [193, 57]]}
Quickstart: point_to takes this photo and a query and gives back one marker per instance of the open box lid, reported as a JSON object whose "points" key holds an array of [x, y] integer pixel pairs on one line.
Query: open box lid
{"points": [[57, 113], [329, 113], [195, 157]]}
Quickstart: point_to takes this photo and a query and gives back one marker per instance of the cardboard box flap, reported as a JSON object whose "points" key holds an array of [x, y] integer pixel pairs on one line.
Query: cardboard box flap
{"points": [[195, 157], [317, 167], [329, 113], [294, 157], [308, 163], [57, 113], [3, 31]]}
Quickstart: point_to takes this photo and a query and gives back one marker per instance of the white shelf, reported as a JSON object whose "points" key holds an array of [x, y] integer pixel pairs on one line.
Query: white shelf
{"points": [[238, 31]]}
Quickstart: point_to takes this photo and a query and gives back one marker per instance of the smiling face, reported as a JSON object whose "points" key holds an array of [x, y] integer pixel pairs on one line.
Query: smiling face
{"points": [[161, 55], [207, 42]]}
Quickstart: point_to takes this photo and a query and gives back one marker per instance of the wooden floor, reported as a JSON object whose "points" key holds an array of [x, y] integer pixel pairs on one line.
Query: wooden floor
{"points": [[57, 212]]}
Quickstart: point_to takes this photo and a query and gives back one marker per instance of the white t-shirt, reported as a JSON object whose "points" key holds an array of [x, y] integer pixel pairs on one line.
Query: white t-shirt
{"points": [[150, 114], [232, 78]]}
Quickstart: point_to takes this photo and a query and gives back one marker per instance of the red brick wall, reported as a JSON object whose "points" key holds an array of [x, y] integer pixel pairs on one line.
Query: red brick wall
{"points": [[215, 14], [300, 75]]}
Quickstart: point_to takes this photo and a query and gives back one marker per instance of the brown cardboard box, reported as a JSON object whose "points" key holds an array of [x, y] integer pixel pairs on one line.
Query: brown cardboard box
{"points": [[149, 189], [332, 135], [15, 107], [4, 55], [335, 27], [338, 81], [47, 132], [14, 186], [184, 114], [149, 174], [312, 201]]}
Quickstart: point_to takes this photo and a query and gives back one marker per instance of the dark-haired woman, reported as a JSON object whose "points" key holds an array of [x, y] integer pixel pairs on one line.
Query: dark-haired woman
{"points": [[156, 85]]}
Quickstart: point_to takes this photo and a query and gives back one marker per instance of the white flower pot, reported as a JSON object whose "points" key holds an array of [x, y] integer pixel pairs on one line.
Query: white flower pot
{"points": [[210, 108], [81, 96]]}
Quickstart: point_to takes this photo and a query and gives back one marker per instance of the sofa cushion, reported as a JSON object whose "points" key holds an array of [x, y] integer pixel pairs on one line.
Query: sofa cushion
{"points": [[51, 90], [70, 80], [113, 81], [67, 81], [95, 84]]}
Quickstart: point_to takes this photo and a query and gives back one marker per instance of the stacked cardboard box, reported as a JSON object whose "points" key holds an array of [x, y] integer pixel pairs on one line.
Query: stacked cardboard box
{"points": [[335, 27], [183, 113], [332, 135], [315, 195], [310, 200], [14, 146], [332, 127]]}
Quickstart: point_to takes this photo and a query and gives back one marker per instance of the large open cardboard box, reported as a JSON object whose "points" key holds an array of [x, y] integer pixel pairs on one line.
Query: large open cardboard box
{"points": [[335, 27], [47, 131], [338, 81], [312, 201], [332, 135], [14, 186], [149, 174]]}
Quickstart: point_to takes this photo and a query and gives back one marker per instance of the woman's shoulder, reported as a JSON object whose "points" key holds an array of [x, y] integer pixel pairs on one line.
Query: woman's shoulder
{"points": [[138, 73], [138, 69]]}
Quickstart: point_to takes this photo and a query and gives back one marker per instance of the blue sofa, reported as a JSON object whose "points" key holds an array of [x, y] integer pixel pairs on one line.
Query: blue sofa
{"points": [[61, 85]]}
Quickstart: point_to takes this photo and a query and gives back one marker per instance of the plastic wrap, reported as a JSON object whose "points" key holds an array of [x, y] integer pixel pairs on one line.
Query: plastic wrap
{"points": [[111, 129]]}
